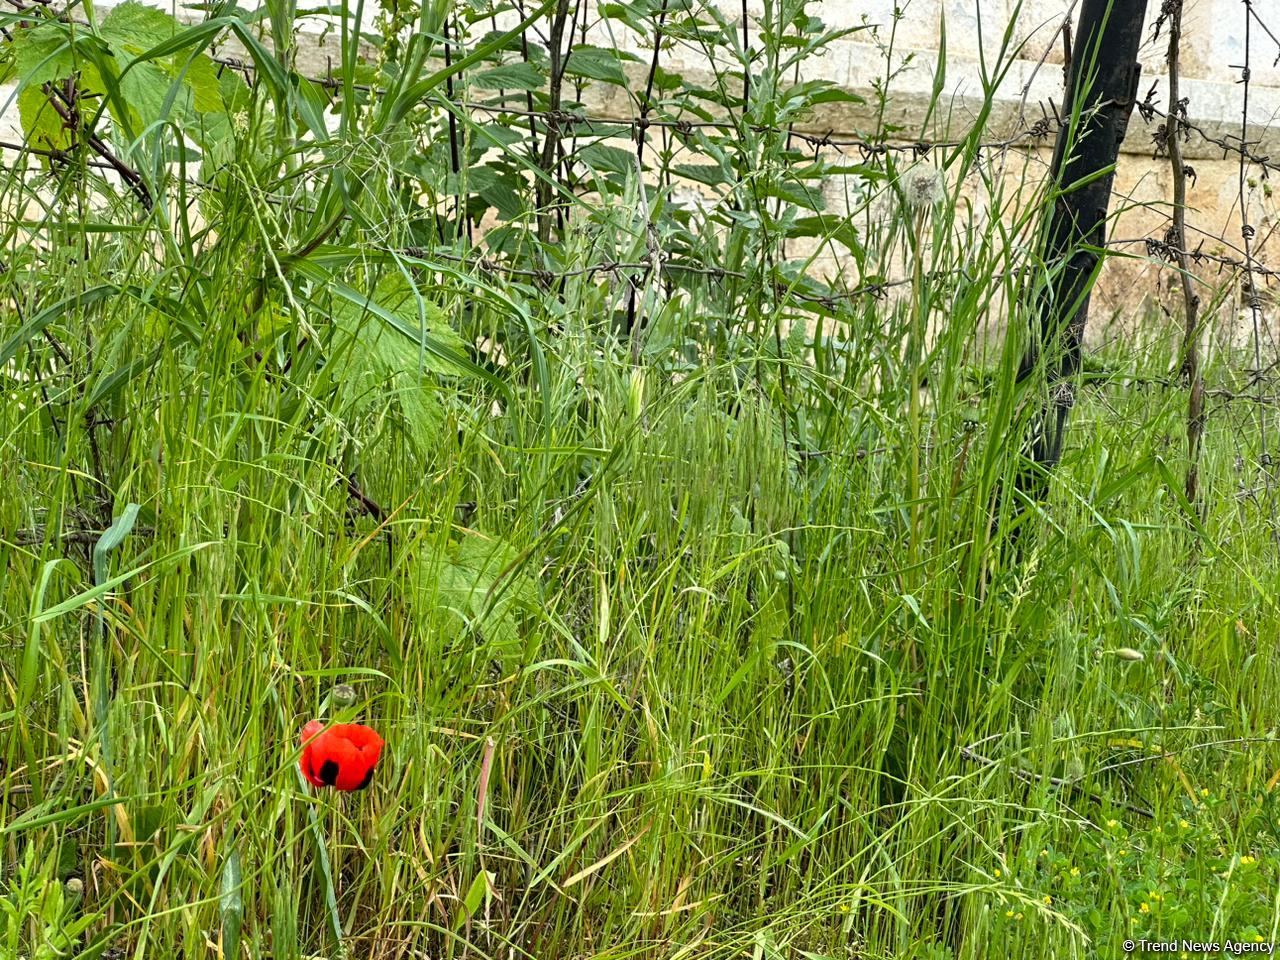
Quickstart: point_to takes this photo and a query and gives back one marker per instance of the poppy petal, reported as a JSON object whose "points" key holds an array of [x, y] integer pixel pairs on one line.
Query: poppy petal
{"points": [[342, 756], [307, 761]]}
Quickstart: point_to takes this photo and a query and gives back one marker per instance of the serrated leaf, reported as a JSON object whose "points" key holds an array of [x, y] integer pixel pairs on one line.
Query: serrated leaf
{"points": [[137, 26], [833, 228], [402, 300], [802, 195], [146, 92], [490, 134], [385, 367], [713, 175], [43, 54], [836, 95], [133, 29], [476, 584], [500, 190], [42, 127], [510, 76], [601, 156], [597, 63], [665, 80]]}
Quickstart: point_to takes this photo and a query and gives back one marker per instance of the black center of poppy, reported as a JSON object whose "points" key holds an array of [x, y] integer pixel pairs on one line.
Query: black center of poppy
{"points": [[329, 773], [367, 778]]}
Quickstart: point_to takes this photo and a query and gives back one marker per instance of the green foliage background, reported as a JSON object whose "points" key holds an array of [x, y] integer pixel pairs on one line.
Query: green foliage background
{"points": [[679, 580]]}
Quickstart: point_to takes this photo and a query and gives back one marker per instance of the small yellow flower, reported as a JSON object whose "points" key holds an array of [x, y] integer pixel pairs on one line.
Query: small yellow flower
{"points": [[1246, 860], [1044, 853], [1121, 853], [997, 873], [845, 908], [1183, 824], [1048, 900], [1112, 824], [1017, 916], [1257, 938], [1075, 871], [1204, 791], [1009, 914], [1143, 908]]}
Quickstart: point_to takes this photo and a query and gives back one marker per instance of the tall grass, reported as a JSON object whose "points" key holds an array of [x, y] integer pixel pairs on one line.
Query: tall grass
{"points": [[724, 603]]}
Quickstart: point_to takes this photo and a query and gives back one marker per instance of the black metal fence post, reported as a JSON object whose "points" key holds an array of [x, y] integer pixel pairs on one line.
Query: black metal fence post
{"points": [[1102, 85]]}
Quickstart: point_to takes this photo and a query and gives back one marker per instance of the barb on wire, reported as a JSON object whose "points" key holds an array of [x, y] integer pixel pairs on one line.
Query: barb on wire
{"points": [[1177, 119], [1166, 249]]}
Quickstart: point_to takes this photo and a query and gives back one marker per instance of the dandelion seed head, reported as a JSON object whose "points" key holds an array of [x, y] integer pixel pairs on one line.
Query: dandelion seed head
{"points": [[922, 186]]}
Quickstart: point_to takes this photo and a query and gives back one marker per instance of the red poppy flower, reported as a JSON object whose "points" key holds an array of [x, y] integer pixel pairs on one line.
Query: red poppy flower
{"points": [[341, 756]]}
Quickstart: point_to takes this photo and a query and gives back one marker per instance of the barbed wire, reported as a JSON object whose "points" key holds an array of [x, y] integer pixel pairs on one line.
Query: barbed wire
{"points": [[1166, 249], [877, 289], [1039, 130]]}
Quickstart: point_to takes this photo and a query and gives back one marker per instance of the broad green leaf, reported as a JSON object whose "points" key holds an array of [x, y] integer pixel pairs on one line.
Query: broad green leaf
{"points": [[711, 174], [810, 197], [836, 95], [609, 159], [42, 126], [138, 27], [135, 31], [146, 92], [510, 76], [597, 63], [111, 538], [474, 584], [477, 893], [831, 228], [384, 367], [43, 54], [440, 344], [499, 189]]}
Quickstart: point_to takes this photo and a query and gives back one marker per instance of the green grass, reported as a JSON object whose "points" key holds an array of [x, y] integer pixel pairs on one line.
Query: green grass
{"points": [[706, 643]]}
